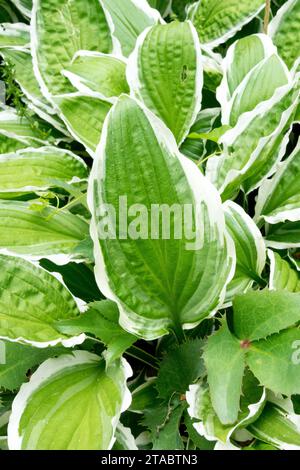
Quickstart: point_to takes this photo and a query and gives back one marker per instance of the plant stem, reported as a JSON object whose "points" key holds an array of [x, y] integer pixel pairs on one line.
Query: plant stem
{"points": [[143, 356], [179, 333], [267, 16]]}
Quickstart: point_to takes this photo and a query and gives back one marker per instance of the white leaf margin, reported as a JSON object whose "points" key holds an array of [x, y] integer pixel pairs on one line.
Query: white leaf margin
{"points": [[205, 192], [132, 73], [267, 189], [50, 368]]}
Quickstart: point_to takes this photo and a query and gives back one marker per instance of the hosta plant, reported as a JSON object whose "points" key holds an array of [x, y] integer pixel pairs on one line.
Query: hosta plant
{"points": [[149, 224]]}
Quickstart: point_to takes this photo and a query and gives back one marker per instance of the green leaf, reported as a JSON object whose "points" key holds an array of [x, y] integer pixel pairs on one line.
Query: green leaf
{"points": [[282, 275], [284, 31], [102, 75], [253, 148], [172, 88], [225, 363], [169, 437], [14, 34], [84, 116], [275, 361], [218, 20], [144, 396], [258, 314], [31, 301], [283, 235], [76, 394], [78, 25], [276, 427], [21, 60], [213, 135], [24, 6], [78, 277], [206, 421], [180, 367], [196, 149], [102, 320], [249, 246], [36, 234], [129, 19], [259, 85], [279, 198], [16, 359], [39, 169], [154, 264], [124, 439], [199, 442]]}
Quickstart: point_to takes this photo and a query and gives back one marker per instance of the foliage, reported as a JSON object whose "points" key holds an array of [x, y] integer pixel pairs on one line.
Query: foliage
{"points": [[149, 224]]}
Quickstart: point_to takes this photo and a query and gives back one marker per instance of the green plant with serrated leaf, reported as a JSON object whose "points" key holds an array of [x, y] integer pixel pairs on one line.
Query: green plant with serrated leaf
{"points": [[149, 225]]}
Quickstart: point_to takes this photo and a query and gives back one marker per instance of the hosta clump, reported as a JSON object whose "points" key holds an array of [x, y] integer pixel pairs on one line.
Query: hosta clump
{"points": [[150, 225]]}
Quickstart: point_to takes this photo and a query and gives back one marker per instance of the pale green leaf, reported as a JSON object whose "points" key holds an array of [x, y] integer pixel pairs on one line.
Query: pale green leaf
{"points": [[76, 387], [37, 234], [218, 20], [278, 427], [249, 246], [14, 34], [282, 275], [31, 301], [16, 359], [165, 72], [84, 116], [124, 439], [275, 361], [101, 75], [129, 18], [102, 320], [284, 30], [155, 264], [279, 198], [258, 314], [39, 169], [74, 25], [225, 363]]}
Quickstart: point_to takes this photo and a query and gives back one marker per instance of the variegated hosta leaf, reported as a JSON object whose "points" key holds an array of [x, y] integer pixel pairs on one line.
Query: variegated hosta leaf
{"points": [[75, 394], [124, 439], [256, 144], [282, 275], [206, 421], [284, 30], [225, 363], [128, 19], [283, 235], [197, 148], [21, 60], [258, 314], [279, 426], [259, 85], [165, 72], [74, 25], [155, 260], [14, 34], [101, 75], [275, 361], [279, 198], [241, 59], [25, 6], [294, 257], [249, 246], [31, 300], [84, 116], [218, 20], [34, 234], [19, 128], [39, 169]]}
